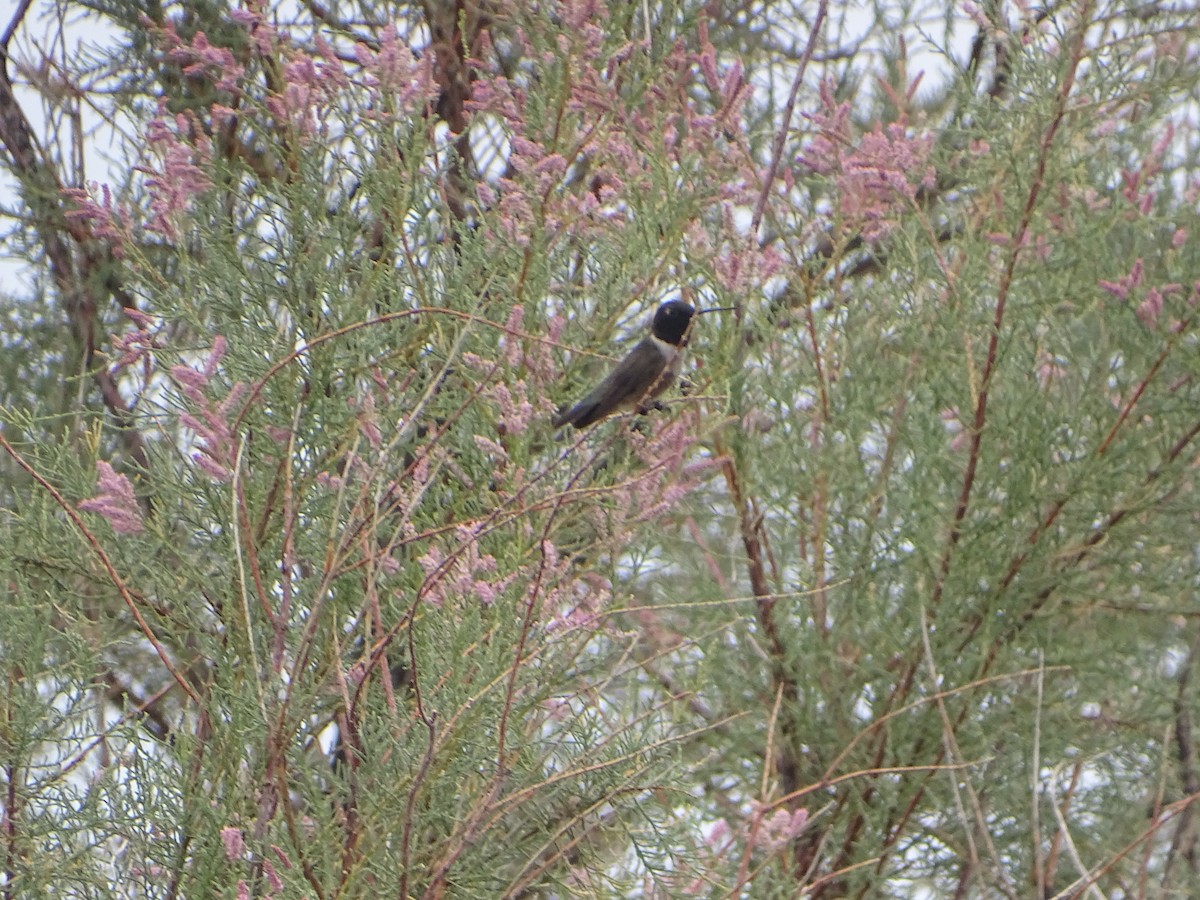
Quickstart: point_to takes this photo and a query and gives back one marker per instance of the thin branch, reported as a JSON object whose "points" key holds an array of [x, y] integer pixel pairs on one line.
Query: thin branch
{"points": [[1086, 875], [954, 753], [17, 19], [113, 574], [1006, 283], [788, 111], [1035, 779]]}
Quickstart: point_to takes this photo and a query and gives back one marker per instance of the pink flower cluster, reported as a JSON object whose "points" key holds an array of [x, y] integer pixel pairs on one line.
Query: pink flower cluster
{"points": [[876, 177], [211, 425], [185, 156], [102, 218], [761, 830], [592, 166], [234, 843], [387, 81], [1150, 301], [464, 573], [115, 501]]}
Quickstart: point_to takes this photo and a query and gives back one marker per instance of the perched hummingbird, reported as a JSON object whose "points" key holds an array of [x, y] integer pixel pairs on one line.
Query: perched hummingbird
{"points": [[649, 369]]}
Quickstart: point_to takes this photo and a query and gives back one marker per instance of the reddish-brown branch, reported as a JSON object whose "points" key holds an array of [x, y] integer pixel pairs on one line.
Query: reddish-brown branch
{"points": [[1098, 535], [1113, 519], [1160, 821], [113, 574], [907, 679], [13, 25], [1184, 328], [1005, 286], [783, 682], [411, 804]]}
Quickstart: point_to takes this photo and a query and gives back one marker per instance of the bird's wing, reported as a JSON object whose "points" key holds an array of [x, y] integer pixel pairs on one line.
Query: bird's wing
{"points": [[619, 391]]}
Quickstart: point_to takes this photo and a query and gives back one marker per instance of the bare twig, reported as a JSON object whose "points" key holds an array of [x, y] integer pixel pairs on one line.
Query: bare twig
{"points": [[1087, 879], [17, 19], [788, 111], [1000, 879], [1160, 821], [1005, 287]]}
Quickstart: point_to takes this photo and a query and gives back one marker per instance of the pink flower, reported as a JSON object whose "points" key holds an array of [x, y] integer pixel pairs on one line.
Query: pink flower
{"points": [[875, 180], [1050, 369], [211, 423], [1121, 288], [1150, 308], [262, 31], [780, 828], [960, 439], [115, 501], [273, 880], [181, 177], [234, 842], [104, 220], [134, 346], [394, 70]]}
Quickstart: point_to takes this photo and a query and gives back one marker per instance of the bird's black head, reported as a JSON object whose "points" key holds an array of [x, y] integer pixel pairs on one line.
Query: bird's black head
{"points": [[671, 321]]}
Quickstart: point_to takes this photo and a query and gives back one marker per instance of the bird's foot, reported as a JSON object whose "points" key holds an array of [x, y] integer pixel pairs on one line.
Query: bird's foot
{"points": [[655, 405]]}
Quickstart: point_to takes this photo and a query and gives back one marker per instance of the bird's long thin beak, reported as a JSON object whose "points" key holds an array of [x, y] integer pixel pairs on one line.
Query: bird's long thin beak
{"points": [[716, 309]]}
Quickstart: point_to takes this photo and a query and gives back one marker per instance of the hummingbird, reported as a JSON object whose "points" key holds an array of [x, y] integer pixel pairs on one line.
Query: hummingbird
{"points": [[649, 369]]}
